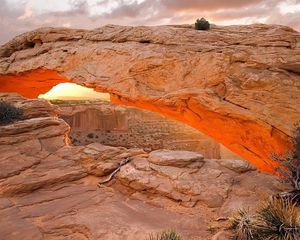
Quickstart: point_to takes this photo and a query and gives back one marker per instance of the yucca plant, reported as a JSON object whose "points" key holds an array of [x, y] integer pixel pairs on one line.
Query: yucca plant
{"points": [[278, 219], [289, 169], [243, 225], [9, 113], [166, 235]]}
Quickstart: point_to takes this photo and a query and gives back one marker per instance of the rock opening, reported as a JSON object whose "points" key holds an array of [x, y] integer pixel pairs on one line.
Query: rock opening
{"points": [[34, 83], [93, 118], [115, 125]]}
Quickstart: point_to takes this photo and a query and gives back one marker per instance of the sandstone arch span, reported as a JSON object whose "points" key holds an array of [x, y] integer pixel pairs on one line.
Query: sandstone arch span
{"points": [[237, 84]]}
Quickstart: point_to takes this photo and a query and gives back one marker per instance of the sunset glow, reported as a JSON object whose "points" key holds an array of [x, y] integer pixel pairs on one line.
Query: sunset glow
{"points": [[150, 119], [26, 15], [72, 91]]}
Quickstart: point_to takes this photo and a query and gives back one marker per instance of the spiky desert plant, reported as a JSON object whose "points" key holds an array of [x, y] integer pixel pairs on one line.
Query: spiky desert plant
{"points": [[166, 235], [202, 24], [243, 225], [289, 169], [279, 219], [9, 113]]}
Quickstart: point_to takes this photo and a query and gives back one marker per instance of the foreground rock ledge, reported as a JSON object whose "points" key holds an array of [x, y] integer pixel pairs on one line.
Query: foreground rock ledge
{"points": [[238, 84], [48, 189]]}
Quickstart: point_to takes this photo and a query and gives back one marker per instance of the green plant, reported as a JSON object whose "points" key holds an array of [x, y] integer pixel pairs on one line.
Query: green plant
{"points": [[243, 225], [166, 235], [279, 220], [202, 24], [9, 113], [289, 169]]}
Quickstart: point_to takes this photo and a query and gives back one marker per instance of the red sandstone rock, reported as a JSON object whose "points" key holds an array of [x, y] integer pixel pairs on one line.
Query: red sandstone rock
{"points": [[237, 84], [197, 181], [174, 158], [49, 191], [31, 108]]}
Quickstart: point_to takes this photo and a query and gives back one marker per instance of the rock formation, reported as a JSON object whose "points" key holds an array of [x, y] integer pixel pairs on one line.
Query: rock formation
{"points": [[48, 189], [237, 84]]}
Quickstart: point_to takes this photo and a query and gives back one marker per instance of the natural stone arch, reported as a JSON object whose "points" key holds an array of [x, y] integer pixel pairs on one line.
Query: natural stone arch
{"points": [[241, 90]]}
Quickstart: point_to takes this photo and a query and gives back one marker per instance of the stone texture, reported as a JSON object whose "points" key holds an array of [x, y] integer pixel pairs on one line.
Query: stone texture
{"points": [[14, 225], [100, 160], [197, 181], [31, 108], [36, 128], [232, 83], [174, 158], [222, 235], [49, 170], [237, 165], [58, 198]]}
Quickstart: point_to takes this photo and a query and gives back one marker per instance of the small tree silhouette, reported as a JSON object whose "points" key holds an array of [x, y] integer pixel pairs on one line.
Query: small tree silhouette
{"points": [[9, 113], [202, 24]]}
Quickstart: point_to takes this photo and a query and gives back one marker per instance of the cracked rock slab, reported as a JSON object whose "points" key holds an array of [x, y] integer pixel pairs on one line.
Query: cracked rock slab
{"points": [[174, 158]]}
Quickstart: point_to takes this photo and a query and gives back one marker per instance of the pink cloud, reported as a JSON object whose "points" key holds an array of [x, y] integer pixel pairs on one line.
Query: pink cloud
{"points": [[14, 21]]}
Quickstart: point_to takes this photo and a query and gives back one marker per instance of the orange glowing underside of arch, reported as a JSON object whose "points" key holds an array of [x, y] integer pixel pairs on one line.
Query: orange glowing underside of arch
{"points": [[31, 84], [249, 139], [237, 135]]}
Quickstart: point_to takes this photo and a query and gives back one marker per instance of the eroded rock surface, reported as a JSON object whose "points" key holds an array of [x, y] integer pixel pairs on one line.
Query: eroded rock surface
{"points": [[232, 83], [189, 179], [49, 191], [31, 108]]}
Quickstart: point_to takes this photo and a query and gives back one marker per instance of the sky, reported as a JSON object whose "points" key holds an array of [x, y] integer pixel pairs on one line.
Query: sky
{"points": [[69, 91], [18, 16]]}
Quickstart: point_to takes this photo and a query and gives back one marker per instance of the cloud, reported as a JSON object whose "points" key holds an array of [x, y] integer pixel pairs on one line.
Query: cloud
{"points": [[8, 18], [22, 16], [27, 14], [205, 5], [288, 19]]}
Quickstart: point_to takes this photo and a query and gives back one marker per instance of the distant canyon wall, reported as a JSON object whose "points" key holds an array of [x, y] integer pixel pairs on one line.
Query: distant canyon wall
{"points": [[115, 125]]}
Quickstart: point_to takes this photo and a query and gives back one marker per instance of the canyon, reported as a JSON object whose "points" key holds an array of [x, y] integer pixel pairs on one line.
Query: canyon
{"points": [[231, 83], [115, 125]]}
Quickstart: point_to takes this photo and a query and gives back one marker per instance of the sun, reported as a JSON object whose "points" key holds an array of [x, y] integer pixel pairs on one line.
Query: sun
{"points": [[73, 91]]}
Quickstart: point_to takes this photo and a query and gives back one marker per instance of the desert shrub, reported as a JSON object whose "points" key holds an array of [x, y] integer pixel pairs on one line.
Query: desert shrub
{"points": [[90, 135], [279, 220], [243, 225], [9, 113], [289, 169], [166, 235], [202, 24]]}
